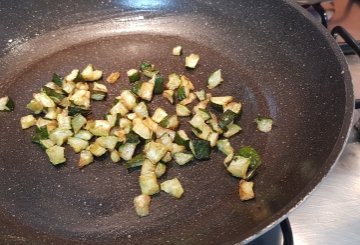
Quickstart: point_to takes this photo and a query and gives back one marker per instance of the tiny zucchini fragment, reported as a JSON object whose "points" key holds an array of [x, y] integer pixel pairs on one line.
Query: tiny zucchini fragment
{"points": [[226, 119], [189, 99], [148, 184], [115, 156], [160, 169], [128, 99], [119, 108], [159, 115], [155, 151], [200, 148], [173, 187], [246, 190], [238, 167], [97, 150], [73, 110], [201, 95], [53, 94], [56, 154], [46, 143], [158, 81], [177, 51], [77, 144], [183, 158], [169, 95], [146, 91], [64, 121], [204, 114], [181, 138], [264, 124], [44, 99], [232, 129], [174, 81], [100, 128], [182, 93], [27, 121], [182, 111], [132, 137], [60, 136], [220, 102], [233, 106], [86, 157], [127, 151], [141, 110], [34, 105], [140, 129], [142, 205], [108, 142], [170, 122], [113, 77], [215, 79], [133, 75], [90, 75], [225, 147], [57, 79], [113, 119], [83, 134], [136, 161], [213, 138], [192, 60]]}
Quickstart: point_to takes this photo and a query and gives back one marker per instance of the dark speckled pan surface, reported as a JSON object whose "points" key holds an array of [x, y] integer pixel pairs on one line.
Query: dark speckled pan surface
{"points": [[275, 61]]}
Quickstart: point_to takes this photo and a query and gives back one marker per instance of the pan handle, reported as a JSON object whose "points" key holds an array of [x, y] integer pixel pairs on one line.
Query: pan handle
{"points": [[287, 232]]}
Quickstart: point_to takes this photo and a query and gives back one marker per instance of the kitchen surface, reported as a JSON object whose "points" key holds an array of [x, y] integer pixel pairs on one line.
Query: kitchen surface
{"points": [[331, 214]]}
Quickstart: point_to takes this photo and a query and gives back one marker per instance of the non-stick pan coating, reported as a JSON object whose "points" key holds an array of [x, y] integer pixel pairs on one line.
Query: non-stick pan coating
{"points": [[274, 60]]}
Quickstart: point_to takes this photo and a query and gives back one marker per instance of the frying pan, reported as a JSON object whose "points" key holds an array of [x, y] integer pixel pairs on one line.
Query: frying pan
{"points": [[275, 59]]}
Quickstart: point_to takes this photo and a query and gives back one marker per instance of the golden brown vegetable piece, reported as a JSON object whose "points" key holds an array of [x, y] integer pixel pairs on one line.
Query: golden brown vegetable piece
{"points": [[113, 77], [246, 191]]}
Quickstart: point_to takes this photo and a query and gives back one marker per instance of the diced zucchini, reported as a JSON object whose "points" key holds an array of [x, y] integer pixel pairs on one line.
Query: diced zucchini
{"points": [[128, 99], [192, 60], [159, 115], [166, 140], [142, 205], [41, 122], [100, 128], [181, 138], [226, 119], [40, 134], [113, 119], [136, 161], [98, 95], [90, 75], [57, 79], [44, 100], [34, 105], [213, 138], [204, 114], [175, 148], [52, 113], [148, 167], [246, 191], [85, 158], [132, 137], [146, 91], [173, 187], [155, 151], [56, 154], [238, 167], [177, 50], [200, 148], [119, 133], [174, 81], [169, 95], [182, 93], [158, 81], [233, 106], [202, 133], [149, 123], [113, 77], [141, 110], [127, 151], [135, 88], [46, 143], [225, 147], [170, 122], [83, 134], [125, 124], [220, 102], [68, 86], [214, 124], [133, 75], [201, 105], [160, 169], [232, 129], [215, 79], [140, 129], [27, 121], [115, 156], [73, 110], [197, 121], [182, 111], [60, 136], [119, 108], [77, 144], [264, 124], [183, 158], [53, 94], [97, 150], [64, 121], [82, 86], [108, 142], [255, 159], [148, 69], [167, 158], [189, 99], [149, 184], [81, 98], [200, 95], [72, 76]]}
